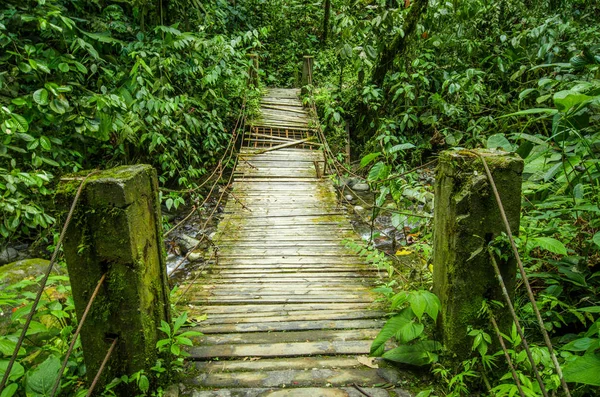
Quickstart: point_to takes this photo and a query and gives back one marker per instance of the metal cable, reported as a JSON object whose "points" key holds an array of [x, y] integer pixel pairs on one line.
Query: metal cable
{"points": [[506, 355], [76, 335], [219, 167], [101, 369], [210, 216], [43, 283], [511, 309], [524, 277]]}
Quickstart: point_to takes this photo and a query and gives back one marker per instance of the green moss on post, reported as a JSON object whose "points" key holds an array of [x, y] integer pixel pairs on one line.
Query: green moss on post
{"points": [[116, 230], [466, 219]]}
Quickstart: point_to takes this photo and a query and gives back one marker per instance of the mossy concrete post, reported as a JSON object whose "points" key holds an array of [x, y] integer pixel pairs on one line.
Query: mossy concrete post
{"points": [[253, 70], [116, 229], [466, 219], [307, 71]]}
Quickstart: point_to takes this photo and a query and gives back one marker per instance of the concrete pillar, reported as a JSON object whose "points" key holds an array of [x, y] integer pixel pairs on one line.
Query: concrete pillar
{"points": [[253, 71], [466, 219], [116, 229]]}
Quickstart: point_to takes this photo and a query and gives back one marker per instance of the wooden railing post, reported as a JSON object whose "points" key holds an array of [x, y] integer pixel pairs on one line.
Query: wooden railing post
{"points": [[116, 232], [307, 70], [466, 219], [253, 71]]}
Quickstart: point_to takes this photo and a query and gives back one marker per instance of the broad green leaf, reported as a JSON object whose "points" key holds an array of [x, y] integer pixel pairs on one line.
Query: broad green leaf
{"points": [[144, 383], [40, 380], [583, 369], [180, 321], [409, 330], [368, 159], [41, 96], [424, 302], [499, 141], [15, 373], [390, 328], [25, 137], [580, 345], [10, 390], [20, 123], [526, 92], [64, 67], [402, 146], [565, 100], [378, 172], [531, 111], [596, 239], [80, 67], [420, 353], [45, 142], [49, 161], [590, 309], [550, 244]]}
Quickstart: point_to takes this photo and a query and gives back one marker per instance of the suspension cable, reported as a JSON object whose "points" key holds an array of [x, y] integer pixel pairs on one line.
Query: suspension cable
{"points": [[43, 283], [524, 277]]}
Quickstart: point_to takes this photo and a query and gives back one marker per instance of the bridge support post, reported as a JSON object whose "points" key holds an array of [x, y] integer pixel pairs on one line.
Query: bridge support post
{"points": [[116, 232], [466, 219], [307, 71], [253, 71]]}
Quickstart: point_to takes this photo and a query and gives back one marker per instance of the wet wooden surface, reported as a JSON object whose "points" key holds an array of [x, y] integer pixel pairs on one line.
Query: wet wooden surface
{"points": [[289, 307]]}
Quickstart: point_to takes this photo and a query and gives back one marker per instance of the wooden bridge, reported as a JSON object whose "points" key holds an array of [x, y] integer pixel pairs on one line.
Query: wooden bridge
{"points": [[289, 308]]}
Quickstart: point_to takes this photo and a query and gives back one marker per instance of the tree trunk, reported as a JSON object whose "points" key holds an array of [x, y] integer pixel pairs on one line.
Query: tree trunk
{"points": [[398, 46], [326, 21]]}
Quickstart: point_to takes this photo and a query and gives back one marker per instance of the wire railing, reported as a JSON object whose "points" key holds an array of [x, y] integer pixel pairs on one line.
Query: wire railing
{"points": [[338, 166], [219, 169]]}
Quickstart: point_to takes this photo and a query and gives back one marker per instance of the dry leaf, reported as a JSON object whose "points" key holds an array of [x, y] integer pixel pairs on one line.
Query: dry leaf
{"points": [[403, 252], [368, 361]]}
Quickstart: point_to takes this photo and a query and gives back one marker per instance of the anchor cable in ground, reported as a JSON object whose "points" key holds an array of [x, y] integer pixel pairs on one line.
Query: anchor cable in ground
{"points": [[43, 282]]}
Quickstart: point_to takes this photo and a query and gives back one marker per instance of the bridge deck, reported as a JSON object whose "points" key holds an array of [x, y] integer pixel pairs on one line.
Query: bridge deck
{"points": [[289, 306]]}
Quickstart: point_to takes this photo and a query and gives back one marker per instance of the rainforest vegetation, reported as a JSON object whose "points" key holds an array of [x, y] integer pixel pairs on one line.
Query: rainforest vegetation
{"points": [[96, 84]]}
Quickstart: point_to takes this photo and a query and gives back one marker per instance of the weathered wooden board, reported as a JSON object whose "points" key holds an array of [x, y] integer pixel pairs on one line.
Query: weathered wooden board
{"points": [[283, 286]]}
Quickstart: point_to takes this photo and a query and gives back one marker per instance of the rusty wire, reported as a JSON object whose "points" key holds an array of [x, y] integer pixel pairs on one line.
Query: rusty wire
{"points": [[79, 326], [524, 277], [101, 369], [511, 309], [43, 282], [219, 167], [506, 355], [240, 115], [223, 191]]}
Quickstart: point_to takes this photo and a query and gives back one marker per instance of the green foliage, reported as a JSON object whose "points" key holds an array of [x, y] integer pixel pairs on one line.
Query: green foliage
{"points": [[48, 337], [86, 88], [407, 327]]}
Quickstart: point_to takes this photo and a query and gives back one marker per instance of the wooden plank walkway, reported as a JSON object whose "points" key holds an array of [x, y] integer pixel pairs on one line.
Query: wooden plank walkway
{"points": [[289, 307]]}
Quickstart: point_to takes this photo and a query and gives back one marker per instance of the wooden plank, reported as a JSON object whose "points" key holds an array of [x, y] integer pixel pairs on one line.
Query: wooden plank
{"points": [[288, 336], [283, 317], [303, 392], [289, 307], [292, 326], [291, 349], [298, 378]]}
